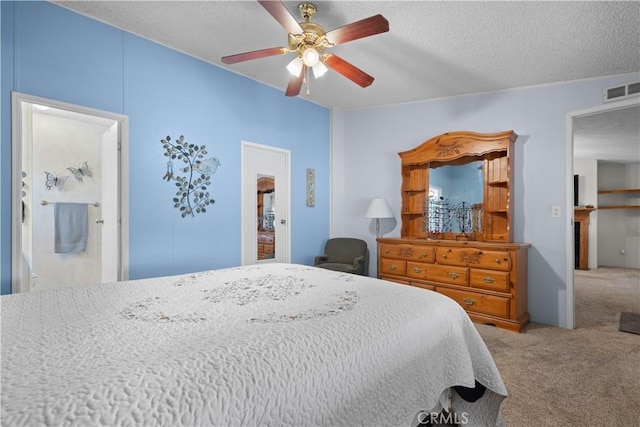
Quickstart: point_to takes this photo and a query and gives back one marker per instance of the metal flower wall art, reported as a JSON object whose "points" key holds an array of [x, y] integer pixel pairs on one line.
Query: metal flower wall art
{"points": [[192, 196]]}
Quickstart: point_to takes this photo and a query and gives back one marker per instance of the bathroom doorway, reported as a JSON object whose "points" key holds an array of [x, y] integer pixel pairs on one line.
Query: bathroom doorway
{"points": [[69, 206]]}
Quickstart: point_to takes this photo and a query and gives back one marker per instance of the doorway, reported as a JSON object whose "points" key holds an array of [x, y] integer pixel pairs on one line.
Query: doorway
{"points": [[69, 193], [569, 203], [266, 204]]}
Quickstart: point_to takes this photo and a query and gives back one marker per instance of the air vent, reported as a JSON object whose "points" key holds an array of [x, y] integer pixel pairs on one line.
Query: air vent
{"points": [[621, 92]]}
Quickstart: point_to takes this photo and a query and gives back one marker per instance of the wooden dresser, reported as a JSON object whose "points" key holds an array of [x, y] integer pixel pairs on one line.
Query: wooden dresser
{"points": [[266, 244], [457, 234], [488, 279]]}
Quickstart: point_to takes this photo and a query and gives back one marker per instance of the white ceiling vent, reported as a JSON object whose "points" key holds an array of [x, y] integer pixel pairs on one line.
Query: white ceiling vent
{"points": [[621, 92]]}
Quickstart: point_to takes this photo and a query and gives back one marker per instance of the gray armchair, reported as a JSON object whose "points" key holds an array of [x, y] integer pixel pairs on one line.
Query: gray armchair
{"points": [[344, 254]]}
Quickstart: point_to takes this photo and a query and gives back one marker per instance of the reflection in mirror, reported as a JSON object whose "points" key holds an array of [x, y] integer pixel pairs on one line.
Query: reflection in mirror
{"points": [[455, 200], [266, 216]]}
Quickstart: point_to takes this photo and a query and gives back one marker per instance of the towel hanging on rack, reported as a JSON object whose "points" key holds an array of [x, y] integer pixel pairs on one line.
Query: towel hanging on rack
{"points": [[70, 227]]}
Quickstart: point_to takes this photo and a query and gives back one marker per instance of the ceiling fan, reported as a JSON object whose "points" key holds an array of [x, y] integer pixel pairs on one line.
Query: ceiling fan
{"points": [[309, 40]]}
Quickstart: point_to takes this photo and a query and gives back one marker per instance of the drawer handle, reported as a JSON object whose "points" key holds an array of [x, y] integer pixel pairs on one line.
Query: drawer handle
{"points": [[417, 270], [468, 301], [424, 255], [497, 260], [393, 267], [444, 256], [488, 279], [386, 251], [454, 275]]}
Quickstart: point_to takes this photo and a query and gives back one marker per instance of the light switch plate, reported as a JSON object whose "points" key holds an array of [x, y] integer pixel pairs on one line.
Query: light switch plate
{"points": [[555, 211]]}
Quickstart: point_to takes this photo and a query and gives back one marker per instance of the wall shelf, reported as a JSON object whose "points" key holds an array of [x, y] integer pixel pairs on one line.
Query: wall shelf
{"points": [[619, 207], [620, 192]]}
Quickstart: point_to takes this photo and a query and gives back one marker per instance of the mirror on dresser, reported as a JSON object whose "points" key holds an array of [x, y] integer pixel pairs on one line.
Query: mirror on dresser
{"points": [[454, 203], [456, 186], [456, 236]]}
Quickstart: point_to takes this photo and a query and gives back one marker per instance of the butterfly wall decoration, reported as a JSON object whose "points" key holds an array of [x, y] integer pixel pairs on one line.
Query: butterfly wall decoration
{"points": [[81, 171], [55, 181]]}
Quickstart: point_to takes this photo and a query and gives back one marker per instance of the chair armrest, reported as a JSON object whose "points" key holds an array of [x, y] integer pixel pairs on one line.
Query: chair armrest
{"points": [[321, 259], [358, 260]]}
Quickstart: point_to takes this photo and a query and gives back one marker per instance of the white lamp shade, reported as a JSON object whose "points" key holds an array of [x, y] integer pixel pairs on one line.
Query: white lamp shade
{"points": [[319, 69], [295, 66], [379, 208], [310, 57]]}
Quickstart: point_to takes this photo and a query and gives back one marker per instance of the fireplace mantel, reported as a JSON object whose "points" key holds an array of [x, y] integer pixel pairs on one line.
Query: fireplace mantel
{"points": [[581, 219]]}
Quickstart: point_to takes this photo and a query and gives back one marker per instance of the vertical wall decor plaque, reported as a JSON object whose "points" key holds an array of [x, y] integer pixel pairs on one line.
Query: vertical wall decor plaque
{"points": [[311, 187]]}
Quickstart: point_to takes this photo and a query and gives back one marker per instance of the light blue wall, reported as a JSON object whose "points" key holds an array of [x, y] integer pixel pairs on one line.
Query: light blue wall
{"points": [[369, 140], [54, 53]]}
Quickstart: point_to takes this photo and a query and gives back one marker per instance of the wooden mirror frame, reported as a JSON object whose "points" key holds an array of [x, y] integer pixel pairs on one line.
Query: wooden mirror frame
{"points": [[457, 148]]}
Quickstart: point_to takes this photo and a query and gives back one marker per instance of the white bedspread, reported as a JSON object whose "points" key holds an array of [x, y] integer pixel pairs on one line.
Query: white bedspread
{"points": [[268, 345]]}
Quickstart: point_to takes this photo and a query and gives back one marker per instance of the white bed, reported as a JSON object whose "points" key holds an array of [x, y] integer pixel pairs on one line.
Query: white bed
{"points": [[267, 345]]}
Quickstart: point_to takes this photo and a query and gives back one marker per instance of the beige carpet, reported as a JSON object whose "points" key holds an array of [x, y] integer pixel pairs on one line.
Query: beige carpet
{"points": [[589, 376]]}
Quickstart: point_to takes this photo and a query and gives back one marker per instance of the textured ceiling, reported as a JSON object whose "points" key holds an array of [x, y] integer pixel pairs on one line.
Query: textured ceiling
{"points": [[612, 136], [432, 50]]}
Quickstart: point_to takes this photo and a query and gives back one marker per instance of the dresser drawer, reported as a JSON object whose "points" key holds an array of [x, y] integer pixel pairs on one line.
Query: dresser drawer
{"points": [[456, 256], [393, 266], [494, 260], [265, 238], [479, 303], [423, 286], [417, 270], [268, 249], [489, 279], [471, 257], [408, 252], [396, 279], [448, 274]]}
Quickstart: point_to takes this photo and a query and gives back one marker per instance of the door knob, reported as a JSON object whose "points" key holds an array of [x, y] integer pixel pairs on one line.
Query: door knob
{"points": [[283, 221], [99, 221]]}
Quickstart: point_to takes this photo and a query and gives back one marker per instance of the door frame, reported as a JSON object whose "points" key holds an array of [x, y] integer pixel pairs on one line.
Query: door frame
{"points": [[570, 234], [17, 98], [244, 145]]}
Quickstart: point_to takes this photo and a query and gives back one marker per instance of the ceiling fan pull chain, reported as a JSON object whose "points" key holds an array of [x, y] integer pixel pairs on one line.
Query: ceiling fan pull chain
{"points": [[308, 82]]}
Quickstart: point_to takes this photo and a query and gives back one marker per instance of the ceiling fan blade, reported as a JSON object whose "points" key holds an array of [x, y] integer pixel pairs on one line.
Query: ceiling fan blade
{"points": [[348, 70], [295, 83], [282, 15], [356, 30], [246, 56]]}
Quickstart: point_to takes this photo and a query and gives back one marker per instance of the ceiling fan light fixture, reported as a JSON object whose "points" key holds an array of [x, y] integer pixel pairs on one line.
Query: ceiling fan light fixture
{"points": [[310, 57], [295, 66], [319, 69], [308, 40]]}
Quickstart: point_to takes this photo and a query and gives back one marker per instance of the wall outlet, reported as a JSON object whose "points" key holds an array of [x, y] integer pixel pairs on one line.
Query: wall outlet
{"points": [[623, 252], [555, 211]]}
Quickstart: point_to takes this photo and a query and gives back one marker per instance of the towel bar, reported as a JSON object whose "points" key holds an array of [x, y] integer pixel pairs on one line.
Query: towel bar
{"points": [[45, 203]]}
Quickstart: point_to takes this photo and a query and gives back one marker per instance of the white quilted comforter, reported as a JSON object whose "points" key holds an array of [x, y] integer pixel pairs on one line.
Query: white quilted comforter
{"points": [[267, 345]]}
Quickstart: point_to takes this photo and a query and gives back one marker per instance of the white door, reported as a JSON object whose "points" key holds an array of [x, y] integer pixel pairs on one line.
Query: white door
{"points": [[109, 221], [68, 231], [265, 209]]}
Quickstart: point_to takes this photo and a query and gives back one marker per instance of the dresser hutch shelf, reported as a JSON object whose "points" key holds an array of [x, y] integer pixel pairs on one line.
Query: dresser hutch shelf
{"points": [[484, 271]]}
